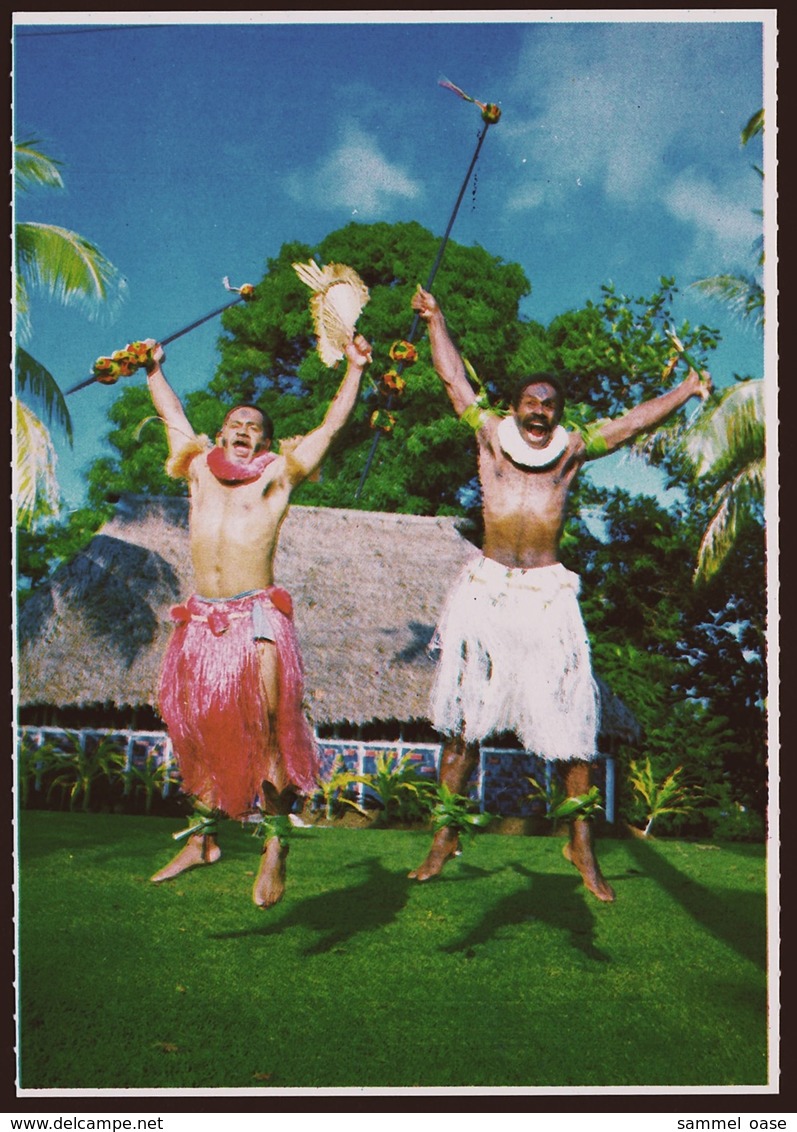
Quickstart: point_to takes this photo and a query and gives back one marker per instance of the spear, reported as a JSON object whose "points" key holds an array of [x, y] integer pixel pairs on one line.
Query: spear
{"points": [[679, 353], [245, 294], [490, 114]]}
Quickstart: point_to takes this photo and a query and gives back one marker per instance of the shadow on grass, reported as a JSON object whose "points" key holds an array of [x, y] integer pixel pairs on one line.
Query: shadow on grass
{"points": [[738, 920], [557, 901], [341, 913]]}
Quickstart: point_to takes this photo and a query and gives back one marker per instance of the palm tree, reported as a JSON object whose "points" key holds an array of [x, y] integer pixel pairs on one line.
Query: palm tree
{"points": [[727, 442], [66, 267]]}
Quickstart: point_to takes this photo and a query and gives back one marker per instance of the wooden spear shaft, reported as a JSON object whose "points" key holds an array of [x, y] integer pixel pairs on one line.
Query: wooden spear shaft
{"points": [[169, 338], [429, 282]]}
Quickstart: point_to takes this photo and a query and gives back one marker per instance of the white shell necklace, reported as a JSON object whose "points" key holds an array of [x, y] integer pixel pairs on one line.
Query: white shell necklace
{"points": [[519, 452]]}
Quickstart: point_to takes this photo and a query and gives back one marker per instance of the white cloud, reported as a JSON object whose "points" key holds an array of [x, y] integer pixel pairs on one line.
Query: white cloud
{"points": [[618, 107], [717, 217], [355, 176], [526, 197]]}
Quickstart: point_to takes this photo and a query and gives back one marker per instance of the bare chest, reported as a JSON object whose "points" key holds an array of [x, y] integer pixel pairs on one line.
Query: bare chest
{"points": [[509, 490], [239, 514]]}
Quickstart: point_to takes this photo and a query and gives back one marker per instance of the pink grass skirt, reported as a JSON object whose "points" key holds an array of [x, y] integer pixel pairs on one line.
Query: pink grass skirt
{"points": [[212, 700]]}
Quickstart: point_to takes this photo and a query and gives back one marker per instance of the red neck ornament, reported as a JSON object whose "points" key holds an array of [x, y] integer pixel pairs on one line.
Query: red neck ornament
{"points": [[228, 472]]}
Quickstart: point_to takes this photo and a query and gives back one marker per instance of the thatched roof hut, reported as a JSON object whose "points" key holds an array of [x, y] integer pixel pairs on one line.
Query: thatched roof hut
{"points": [[367, 590]]}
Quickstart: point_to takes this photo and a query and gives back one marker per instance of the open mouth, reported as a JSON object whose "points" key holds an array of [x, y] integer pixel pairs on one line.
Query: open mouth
{"points": [[536, 430], [241, 447]]}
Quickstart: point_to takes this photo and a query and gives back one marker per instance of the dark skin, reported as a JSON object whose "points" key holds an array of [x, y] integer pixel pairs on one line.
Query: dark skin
{"points": [[524, 512], [234, 532]]}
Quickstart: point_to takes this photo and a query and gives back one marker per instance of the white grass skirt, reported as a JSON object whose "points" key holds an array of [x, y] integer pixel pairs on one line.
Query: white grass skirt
{"points": [[514, 656]]}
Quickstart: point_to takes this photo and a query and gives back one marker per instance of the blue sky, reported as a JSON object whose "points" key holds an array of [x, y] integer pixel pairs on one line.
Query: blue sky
{"points": [[194, 151]]}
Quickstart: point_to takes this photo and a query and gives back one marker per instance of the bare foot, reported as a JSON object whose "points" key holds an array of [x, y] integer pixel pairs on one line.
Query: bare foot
{"points": [[269, 887], [584, 860], [445, 845], [201, 850]]}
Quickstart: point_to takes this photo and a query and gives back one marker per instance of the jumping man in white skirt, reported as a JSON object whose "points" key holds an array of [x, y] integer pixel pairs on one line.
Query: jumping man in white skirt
{"points": [[514, 654]]}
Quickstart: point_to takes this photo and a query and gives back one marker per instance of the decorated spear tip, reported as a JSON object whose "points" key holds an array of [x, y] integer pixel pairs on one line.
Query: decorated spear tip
{"points": [[246, 290], [491, 111]]}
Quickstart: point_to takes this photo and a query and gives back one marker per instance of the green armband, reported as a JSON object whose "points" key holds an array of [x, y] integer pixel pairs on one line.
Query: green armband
{"points": [[594, 443], [473, 416], [476, 415], [273, 825]]}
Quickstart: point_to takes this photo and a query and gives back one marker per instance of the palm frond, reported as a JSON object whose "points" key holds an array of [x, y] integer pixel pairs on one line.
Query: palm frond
{"points": [[753, 127], [34, 462], [731, 434], [32, 167], [743, 295], [736, 503], [67, 267], [40, 383]]}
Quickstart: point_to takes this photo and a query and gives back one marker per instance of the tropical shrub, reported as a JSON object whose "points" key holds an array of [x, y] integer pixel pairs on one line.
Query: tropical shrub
{"points": [[399, 789], [84, 765], [670, 796], [332, 794]]}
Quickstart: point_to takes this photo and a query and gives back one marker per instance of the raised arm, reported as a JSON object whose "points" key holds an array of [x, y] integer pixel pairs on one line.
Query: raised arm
{"points": [[167, 404], [651, 413], [312, 449], [446, 357]]}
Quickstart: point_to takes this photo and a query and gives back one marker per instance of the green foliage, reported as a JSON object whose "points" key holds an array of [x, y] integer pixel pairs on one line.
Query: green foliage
{"points": [[34, 763], [561, 806], [610, 354], [150, 779], [729, 819], [63, 266], [332, 793], [670, 796], [728, 449], [270, 826], [398, 787], [80, 766], [451, 810], [614, 354]]}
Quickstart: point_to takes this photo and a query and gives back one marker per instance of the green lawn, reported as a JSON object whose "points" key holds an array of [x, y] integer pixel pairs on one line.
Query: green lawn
{"points": [[502, 972]]}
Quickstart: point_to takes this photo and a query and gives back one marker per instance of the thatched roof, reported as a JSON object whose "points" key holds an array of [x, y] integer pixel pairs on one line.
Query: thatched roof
{"points": [[367, 590]]}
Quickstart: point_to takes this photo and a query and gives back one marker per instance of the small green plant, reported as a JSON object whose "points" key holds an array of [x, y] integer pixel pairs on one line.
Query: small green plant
{"points": [[399, 788], [331, 793], [81, 767], [667, 797], [150, 779], [456, 811], [33, 764], [560, 806]]}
